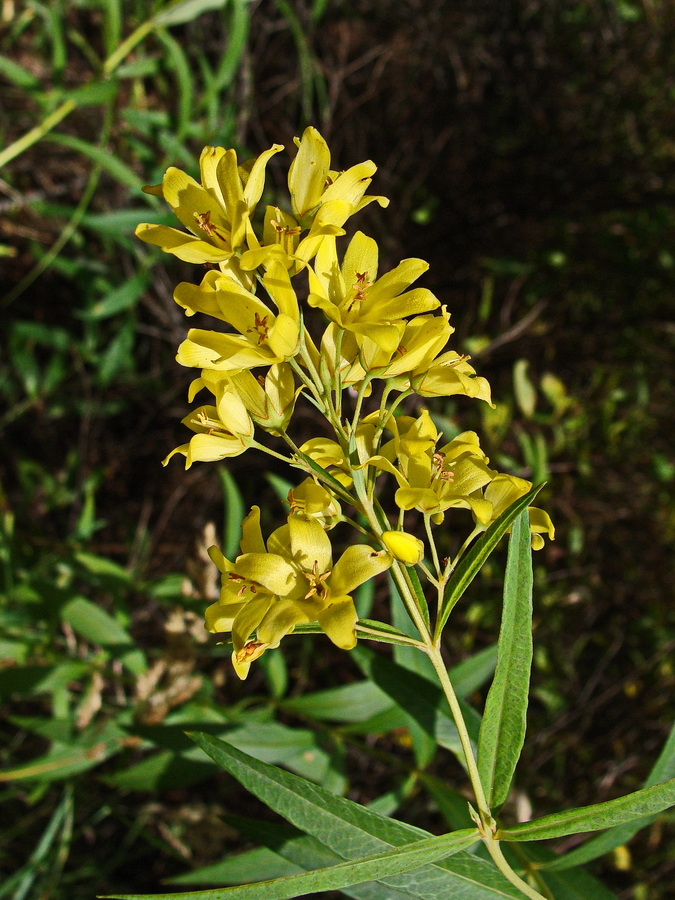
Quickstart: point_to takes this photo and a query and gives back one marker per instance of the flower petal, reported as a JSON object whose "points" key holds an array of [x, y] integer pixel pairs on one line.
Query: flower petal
{"points": [[310, 544], [357, 564], [339, 620]]}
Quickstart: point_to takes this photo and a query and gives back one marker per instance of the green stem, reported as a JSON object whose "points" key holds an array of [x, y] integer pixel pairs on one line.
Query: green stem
{"points": [[33, 136], [432, 544], [434, 653], [502, 864]]}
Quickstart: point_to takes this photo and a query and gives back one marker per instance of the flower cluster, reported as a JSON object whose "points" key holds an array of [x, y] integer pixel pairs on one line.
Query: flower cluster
{"points": [[378, 327]]}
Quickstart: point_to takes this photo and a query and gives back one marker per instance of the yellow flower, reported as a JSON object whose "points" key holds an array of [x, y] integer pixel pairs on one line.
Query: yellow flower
{"points": [[354, 298], [419, 341], [447, 375], [263, 339], [223, 430], [431, 480], [504, 490], [270, 401], [215, 212], [312, 501], [291, 581], [312, 184]]}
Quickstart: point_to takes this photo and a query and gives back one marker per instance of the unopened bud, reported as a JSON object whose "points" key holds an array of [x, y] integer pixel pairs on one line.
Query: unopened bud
{"points": [[404, 547]]}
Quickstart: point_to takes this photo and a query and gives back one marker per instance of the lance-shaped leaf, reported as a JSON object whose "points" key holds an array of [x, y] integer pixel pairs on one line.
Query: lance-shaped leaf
{"points": [[351, 831], [390, 862], [474, 560], [664, 768], [421, 699], [502, 731], [286, 851], [646, 802]]}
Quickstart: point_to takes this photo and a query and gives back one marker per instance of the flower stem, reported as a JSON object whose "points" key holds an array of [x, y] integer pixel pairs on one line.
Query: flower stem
{"points": [[502, 864]]}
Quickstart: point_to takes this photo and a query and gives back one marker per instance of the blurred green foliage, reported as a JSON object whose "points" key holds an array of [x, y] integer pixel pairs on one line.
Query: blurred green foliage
{"points": [[531, 145]]}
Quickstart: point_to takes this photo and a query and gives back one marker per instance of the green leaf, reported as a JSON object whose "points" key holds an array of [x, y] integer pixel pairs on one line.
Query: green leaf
{"points": [[369, 629], [351, 830], [91, 94], [120, 298], [252, 865], [419, 593], [645, 802], [575, 884], [88, 749], [94, 623], [102, 156], [29, 680], [663, 769], [348, 703], [420, 699], [100, 628], [15, 73], [305, 852], [101, 565], [38, 876], [370, 868], [474, 560], [186, 11], [162, 771], [502, 731], [410, 658], [472, 673], [234, 513], [523, 389]]}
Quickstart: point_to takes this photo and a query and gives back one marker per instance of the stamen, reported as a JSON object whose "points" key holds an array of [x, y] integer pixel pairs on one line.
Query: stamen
{"points": [[204, 222]]}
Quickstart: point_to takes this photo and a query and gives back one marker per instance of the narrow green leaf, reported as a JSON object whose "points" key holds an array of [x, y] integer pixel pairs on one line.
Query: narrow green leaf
{"points": [[94, 623], [245, 867], [663, 769], [645, 802], [186, 11], [419, 593], [371, 630], [371, 868], [576, 884], [15, 73], [473, 561], [502, 731], [472, 673], [306, 852], [100, 155], [179, 65], [106, 568], [523, 389], [421, 699], [100, 628], [352, 830], [236, 46], [120, 298], [348, 703], [234, 513], [94, 93], [41, 870], [410, 658]]}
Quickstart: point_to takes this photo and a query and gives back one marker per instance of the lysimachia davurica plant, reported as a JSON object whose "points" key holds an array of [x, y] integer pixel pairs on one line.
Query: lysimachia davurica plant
{"points": [[387, 473]]}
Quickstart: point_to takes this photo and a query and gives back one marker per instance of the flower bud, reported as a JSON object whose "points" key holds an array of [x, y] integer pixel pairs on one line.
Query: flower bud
{"points": [[404, 547]]}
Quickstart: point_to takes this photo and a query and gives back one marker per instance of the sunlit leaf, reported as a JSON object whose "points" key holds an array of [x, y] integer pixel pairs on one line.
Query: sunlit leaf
{"points": [[502, 730]]}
